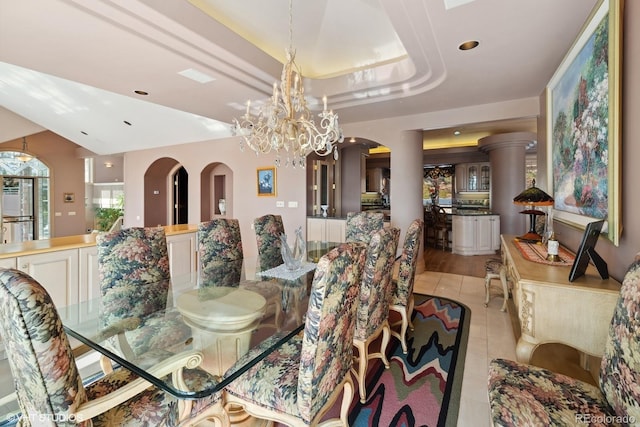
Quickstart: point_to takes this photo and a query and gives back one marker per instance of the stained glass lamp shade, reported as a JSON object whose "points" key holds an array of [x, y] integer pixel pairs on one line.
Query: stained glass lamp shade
{"points": [[533, 197]]}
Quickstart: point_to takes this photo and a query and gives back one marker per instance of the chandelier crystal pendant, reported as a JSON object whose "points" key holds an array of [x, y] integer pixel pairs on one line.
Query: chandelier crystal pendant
{"points": [[285, 124]]}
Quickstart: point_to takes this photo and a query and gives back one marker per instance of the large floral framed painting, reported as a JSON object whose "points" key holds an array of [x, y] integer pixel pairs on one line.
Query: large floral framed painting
{"points": [[583, 125]]}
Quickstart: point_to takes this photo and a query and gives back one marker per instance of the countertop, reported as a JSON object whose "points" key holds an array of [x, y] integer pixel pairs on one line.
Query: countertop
{"points": [[9, 250]]}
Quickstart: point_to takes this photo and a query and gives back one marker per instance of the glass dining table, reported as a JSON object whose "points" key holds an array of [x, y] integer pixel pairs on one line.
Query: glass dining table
{"points": [[210, 318]]}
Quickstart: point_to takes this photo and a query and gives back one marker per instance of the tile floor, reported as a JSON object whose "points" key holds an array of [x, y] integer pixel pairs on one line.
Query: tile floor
{"points": [[490, 336]]}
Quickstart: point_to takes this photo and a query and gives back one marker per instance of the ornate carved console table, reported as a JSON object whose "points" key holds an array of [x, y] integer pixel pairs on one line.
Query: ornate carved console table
{"points": [[553, 310]]}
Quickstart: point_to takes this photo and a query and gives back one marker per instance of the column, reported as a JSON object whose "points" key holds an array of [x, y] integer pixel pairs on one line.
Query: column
{"points": [[508, 176]]}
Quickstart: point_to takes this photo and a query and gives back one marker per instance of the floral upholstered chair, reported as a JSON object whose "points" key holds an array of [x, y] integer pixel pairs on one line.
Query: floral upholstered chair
{"points": [[372, 317], [133, 266], [268, 229], [402, 288], [299, 381], [48, 383], [524, 395], [220, 254], [360, 226], [220, 262]]}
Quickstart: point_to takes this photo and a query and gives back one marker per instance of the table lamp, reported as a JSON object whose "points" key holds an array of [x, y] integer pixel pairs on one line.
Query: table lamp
{"points": [[533, 197]]}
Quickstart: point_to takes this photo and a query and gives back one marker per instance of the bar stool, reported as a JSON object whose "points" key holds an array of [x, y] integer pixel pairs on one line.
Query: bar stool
{"points": [[495, 270]]}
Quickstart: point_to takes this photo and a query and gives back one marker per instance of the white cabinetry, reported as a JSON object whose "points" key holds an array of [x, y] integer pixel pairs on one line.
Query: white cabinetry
{"points": [[476, 234], [326, 229], [57, 272], [472, 177], [88, 273], [182, 253]]}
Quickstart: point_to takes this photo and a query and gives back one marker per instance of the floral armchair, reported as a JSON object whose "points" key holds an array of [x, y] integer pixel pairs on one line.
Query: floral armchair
{"points": [[133, 267], [48, 383], [268, 229], [299, 381], [524, 395], [402, 301], [373, 302], [360, 226]]}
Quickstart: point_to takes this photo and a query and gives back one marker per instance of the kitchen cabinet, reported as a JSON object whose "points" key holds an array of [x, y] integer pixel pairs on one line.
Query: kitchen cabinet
{"points": [[57, 272], [472, 177], [182, 253], [88, 273], [326, 229], [475, 234]]}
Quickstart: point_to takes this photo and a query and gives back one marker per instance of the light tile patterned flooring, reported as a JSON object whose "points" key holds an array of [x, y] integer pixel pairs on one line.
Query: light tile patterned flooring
{"points": [[490, 336]]}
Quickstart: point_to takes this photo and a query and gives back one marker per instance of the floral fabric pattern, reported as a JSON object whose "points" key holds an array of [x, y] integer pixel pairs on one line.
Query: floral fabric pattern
{"points": [[133, 266], [46, 377], [375, 289], [525, 395], [220, 252], [620, 368], [361, 226], [403, 287], [268, 229], [520, 394], [299, 377]]}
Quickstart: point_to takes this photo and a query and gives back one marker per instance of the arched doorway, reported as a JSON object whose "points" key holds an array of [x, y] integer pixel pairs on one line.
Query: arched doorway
{"points": [[180, 180], [165, 193]]}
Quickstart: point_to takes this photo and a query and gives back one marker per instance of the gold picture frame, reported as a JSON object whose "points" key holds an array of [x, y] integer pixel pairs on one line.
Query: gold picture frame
{"points": [[583, 125], [266, 181], [69, 197]]}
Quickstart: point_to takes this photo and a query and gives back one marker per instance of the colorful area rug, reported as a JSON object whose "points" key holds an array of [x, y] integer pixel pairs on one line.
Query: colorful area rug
{"points": [[422, 387]]}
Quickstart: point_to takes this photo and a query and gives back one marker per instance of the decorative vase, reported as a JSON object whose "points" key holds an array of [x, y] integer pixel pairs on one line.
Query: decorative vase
{"points": [[222, 205], [287, 255], [300, 247], [324, 210]]}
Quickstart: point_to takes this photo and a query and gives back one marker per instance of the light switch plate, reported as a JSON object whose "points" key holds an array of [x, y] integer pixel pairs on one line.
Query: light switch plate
{"points": [[293, 204], [280, 204]]}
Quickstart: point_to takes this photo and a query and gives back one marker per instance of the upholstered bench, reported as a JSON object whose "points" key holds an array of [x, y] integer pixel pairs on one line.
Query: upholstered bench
{"points": [[495, 269]]}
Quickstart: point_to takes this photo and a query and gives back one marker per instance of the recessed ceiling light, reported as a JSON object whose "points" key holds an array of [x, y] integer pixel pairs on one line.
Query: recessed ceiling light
{"points": [[141, 92], [468, 45]]}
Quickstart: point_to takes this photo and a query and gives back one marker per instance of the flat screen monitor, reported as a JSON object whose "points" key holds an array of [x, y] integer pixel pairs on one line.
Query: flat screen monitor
{"points": [[586, 251]]}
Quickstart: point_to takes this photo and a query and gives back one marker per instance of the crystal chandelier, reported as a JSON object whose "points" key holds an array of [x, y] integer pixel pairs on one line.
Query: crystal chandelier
{"points": [[285, 124]]}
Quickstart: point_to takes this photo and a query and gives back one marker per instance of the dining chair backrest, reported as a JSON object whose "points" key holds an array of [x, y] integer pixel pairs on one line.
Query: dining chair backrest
{"points": [[403, 287], [620, 366], [327, 343], [220, 255], [133, 266], [375, 288], [360, 226], [268, 229], [219, 240], [45, 374]]}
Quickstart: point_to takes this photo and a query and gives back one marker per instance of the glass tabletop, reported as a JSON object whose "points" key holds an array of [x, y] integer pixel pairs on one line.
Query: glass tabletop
{"points": [[210, 318]]}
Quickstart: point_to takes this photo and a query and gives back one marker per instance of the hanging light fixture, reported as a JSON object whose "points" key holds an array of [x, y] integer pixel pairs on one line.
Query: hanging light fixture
{"points": [[285, 124], [24, 157]]}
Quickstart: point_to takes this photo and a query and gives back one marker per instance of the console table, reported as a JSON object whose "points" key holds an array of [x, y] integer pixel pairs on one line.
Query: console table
{"points": [[553, 310]]}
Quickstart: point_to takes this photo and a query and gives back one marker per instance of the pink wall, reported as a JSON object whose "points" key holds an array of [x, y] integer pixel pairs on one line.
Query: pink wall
{"points": [[59, 154]]}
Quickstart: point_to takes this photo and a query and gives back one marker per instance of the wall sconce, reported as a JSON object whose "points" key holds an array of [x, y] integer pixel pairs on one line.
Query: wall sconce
{"points": [[108, 164]]}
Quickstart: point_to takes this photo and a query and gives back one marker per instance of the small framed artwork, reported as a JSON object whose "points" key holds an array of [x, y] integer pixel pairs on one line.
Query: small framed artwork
{"points": [[266, 181], [69, 197]]}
